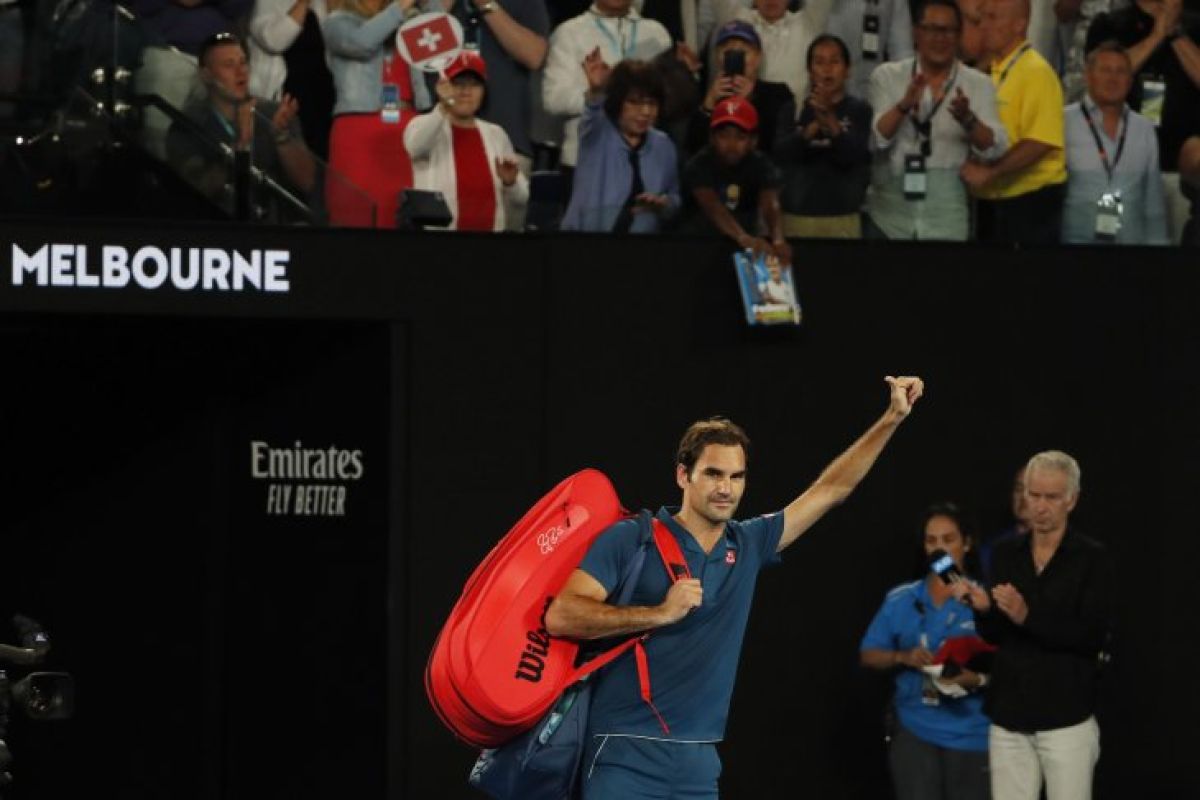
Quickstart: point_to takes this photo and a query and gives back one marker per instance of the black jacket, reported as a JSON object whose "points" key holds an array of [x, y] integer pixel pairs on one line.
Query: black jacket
{"points": [[1045, 672]]}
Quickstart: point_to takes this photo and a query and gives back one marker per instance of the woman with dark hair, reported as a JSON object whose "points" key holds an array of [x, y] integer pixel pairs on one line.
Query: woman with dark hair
{"points": [[823, 150], [939, 741], [626, 179]]}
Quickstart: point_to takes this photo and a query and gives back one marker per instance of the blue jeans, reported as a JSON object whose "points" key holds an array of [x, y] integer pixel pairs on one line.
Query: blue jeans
{"points": [[629, 768]]}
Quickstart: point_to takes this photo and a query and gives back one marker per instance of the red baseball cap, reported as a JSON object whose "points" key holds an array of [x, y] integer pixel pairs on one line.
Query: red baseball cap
{"points": [[735, 111], [466, 61]]}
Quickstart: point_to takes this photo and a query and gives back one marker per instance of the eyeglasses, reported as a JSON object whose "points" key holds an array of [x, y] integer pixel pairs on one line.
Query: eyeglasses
{"points": [[939, 30]]}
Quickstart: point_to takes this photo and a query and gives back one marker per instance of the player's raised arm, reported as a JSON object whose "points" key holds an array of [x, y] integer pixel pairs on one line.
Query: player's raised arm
{"points": [[839, 479]]}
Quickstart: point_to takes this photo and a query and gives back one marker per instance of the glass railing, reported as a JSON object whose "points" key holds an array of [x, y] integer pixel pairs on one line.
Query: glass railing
{"points": [[100, 68]]}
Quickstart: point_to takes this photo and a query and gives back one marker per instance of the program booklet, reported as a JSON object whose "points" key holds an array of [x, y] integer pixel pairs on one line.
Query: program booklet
{"points": [[768, 293]]}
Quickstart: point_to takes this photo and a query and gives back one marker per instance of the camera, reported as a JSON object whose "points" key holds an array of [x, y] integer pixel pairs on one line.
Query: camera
{"points": [[734, 62], [43, 696]]}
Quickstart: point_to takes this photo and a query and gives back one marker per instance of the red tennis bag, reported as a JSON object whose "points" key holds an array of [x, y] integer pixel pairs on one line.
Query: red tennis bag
{"points": [[494, 670]]}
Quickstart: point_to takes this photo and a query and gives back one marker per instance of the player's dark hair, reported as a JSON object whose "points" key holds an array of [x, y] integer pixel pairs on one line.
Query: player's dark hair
{"points": [[702, 433]]}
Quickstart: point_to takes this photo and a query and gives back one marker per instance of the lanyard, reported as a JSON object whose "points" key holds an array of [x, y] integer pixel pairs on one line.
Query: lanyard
{"points": [[1108, 169], [923, 126], [934, 639], [229, 129], [622, 52], [1025, 48]]}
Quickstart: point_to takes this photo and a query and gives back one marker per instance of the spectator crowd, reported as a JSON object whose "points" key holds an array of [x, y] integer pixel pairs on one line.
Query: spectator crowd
{"points": [[994, 120]]}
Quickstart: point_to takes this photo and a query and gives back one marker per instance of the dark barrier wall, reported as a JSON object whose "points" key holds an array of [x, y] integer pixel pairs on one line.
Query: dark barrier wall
{"points": [[522, 360], [197, 512]]}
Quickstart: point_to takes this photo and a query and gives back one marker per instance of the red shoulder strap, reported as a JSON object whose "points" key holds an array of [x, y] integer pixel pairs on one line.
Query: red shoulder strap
{"points": [[668, 549], [677, 570]]}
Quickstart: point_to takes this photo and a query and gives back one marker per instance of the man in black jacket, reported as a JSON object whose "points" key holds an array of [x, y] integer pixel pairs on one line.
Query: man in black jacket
{"points": [[1049, 613]]}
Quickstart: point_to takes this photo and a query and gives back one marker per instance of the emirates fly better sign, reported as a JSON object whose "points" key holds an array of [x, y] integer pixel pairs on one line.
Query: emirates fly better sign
{"points": [[430, 42]]}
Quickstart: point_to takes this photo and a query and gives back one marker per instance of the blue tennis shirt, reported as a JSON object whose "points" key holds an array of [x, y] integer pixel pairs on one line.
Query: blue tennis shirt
{"points": [[693, 663]]}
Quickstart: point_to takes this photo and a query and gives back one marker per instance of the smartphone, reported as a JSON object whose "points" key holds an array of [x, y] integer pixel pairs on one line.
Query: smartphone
{"points": [[734, 62]]}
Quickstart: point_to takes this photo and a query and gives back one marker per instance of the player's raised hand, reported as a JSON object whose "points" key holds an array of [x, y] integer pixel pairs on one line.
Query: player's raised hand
{"points": [[906, 390]]}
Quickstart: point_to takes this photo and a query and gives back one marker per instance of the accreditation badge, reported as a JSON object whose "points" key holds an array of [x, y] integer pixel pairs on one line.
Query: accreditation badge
{"points": [[929, 692], [870, 36], [915, 177], [1108, 216], [389, 104], [1154, 93]]}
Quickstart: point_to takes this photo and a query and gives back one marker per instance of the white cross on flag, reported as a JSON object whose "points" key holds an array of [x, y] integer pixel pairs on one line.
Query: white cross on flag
{"points": [[430, 42]]}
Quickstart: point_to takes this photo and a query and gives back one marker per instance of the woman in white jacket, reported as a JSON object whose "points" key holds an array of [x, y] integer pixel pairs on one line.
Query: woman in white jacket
{"points": [[287, 55], [469, 160]]}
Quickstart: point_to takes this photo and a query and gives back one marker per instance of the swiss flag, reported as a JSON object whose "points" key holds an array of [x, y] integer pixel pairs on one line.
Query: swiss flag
{"points": [[428, 39]]}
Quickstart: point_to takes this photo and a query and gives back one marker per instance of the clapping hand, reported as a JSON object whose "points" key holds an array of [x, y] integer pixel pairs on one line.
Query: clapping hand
{"points": [[289, 107], [506, 170], [960, 106], [1011, 602], [826, 115], [244, 116], [1166, 15], [912, 95]]}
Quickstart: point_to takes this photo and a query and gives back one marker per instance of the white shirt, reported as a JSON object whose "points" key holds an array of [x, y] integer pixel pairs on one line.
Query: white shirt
{"points": [[272, 32], [1042, 32], [563, 81], [943, 212]]}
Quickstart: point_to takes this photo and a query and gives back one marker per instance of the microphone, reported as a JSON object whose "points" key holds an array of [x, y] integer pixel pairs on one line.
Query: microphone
{"points": [[942, 565]]}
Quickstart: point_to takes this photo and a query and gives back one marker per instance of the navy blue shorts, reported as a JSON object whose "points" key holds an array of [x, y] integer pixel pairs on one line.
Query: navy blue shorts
{"points": [[629, 768]]}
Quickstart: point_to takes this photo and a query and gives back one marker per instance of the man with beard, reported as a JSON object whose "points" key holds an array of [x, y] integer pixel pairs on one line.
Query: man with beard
{"points": [[698, 622]]}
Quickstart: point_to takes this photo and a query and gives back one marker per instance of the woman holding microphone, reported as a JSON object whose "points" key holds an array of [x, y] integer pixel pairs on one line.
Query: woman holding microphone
{"points": [[939, 742]]}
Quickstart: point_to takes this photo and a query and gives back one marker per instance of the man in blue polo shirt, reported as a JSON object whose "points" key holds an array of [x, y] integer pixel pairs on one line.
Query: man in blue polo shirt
{"points": [[666, 750]]}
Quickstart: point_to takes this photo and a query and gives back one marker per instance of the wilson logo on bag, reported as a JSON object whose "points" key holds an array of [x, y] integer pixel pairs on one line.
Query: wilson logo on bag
{"points": [[495, 670]]}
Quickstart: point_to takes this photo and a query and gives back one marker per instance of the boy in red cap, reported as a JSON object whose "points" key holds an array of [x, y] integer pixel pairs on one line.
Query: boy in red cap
{"points": [[733, 189]]}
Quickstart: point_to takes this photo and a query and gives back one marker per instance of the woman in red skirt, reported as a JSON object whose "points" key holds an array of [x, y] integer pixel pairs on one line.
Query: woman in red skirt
{"points": [[375, 100]]}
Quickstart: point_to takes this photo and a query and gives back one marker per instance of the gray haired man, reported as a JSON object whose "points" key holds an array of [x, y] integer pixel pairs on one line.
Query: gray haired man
{"points": [[1049, 612]]}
